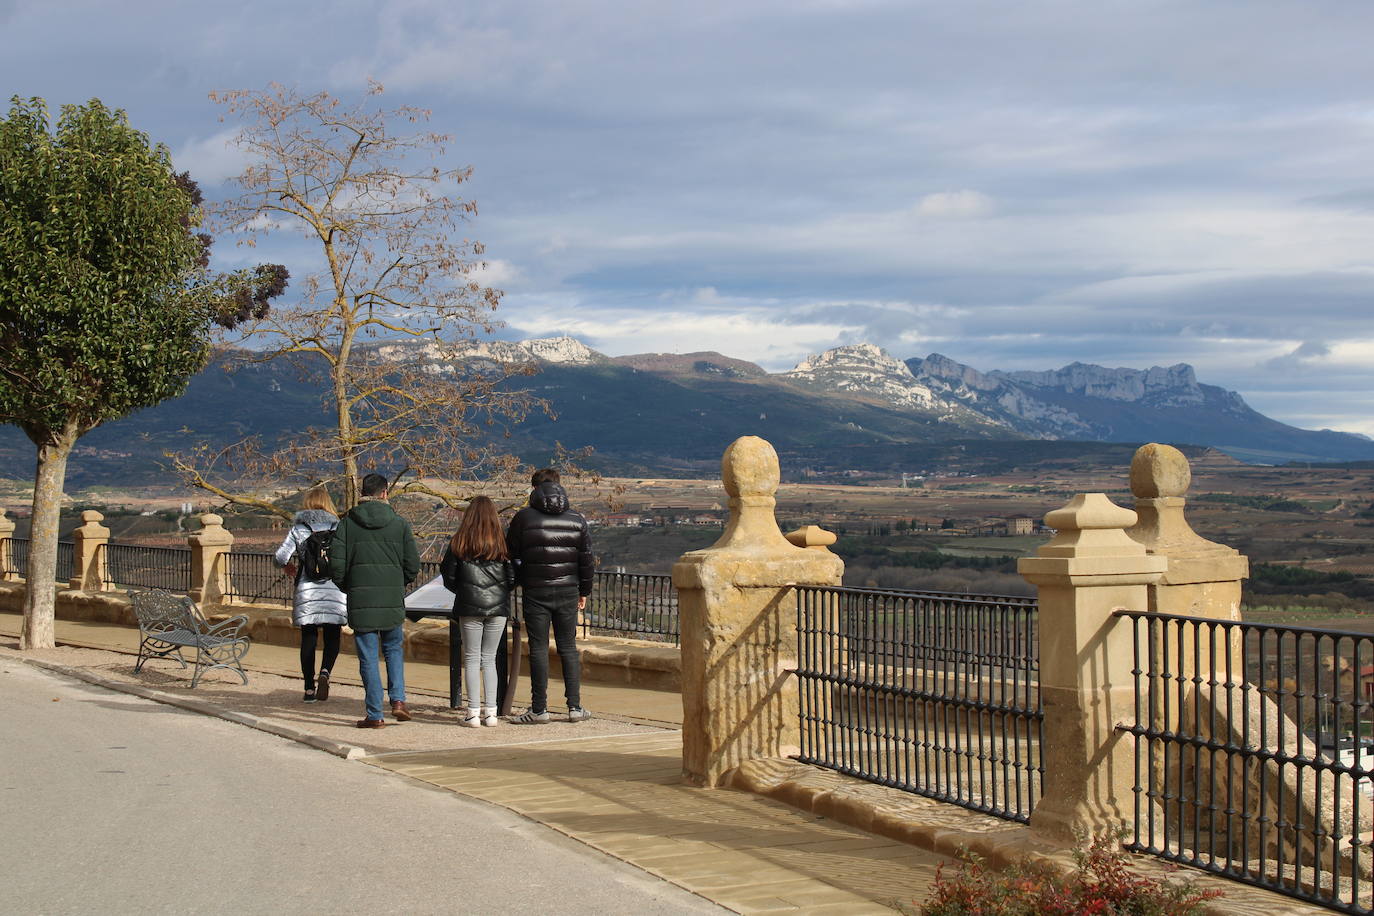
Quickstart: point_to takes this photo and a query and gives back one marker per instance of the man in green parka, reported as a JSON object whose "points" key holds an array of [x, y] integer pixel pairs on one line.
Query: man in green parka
{"points": [[371, 559]]}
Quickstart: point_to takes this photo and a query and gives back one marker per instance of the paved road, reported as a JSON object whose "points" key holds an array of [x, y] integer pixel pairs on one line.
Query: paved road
{"points": [[113, 804]]}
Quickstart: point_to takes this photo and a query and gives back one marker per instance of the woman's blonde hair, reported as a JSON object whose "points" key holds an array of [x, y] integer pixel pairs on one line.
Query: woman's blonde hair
{"points": [[318, 498], [479, 536]]}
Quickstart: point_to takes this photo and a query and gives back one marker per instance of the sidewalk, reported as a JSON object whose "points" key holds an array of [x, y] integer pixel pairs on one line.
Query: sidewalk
{"points": [[612, 783]]}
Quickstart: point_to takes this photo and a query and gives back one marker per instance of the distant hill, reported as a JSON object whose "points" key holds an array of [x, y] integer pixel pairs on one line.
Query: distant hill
{"points": [[849, 408]]}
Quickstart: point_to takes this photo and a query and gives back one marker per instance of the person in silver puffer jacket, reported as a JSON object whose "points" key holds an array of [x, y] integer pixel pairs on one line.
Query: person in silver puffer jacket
{"points": [[317, 606]]}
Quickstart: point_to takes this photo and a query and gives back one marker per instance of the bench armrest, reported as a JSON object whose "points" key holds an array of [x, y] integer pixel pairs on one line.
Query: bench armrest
{"points": [[228, 627]]}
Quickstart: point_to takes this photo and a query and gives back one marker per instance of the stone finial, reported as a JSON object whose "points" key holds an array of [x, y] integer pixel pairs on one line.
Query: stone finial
{"points": [[812, 537], [1159, 471], [1090, 525], [212, 532], [749, 471], [92, 517], [1160, 478], [749, 467]]}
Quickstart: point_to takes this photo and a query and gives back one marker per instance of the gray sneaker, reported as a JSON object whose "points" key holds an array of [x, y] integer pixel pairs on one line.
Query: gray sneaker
{"points": [[530, 717], [578, 714]]}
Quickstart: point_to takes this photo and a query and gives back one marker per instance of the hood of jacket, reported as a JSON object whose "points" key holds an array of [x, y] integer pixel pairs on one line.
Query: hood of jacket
{"points": [[316, 519], [373, 513], [549, 498]]}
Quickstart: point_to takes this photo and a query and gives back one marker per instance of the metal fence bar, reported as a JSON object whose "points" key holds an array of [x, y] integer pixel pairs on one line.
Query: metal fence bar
{"points": [[148, 567], [1255, 753], [934, 694], [633, 605], [255, 578]]}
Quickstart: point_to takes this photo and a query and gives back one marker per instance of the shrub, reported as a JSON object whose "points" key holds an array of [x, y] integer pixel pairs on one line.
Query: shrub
{"points": [[1100, 883]]}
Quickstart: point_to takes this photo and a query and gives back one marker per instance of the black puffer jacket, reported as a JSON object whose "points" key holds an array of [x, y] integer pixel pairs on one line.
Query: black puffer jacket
{"points": [[481, 588], [550, 543]]}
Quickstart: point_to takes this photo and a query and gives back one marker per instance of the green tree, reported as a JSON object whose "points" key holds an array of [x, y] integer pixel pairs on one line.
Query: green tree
{"points": [[106, 298]]}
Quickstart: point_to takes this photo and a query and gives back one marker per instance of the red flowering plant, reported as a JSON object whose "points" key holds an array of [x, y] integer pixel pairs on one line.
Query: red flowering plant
{"points": [[1100, 883]]}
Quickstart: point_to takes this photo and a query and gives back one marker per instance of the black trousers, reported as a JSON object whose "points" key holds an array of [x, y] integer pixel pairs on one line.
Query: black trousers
{"points": [[556, 607], [331, 649]]}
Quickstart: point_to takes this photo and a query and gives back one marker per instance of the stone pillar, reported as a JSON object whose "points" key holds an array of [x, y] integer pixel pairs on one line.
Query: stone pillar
{"points": [[209, 565], [7, 571], [88, 553], [1090, 569], [739, 632]]}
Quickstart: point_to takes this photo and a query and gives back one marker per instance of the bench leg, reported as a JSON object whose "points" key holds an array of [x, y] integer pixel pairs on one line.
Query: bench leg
{"points": [[148, 648]]}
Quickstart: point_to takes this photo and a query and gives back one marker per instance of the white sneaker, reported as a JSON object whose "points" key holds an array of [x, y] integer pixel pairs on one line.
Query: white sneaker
{"points": [[489, 716], [472, 720], [578, 714], [530, 717]]}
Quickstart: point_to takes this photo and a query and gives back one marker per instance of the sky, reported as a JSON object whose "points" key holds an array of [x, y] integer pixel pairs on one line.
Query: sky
{"points": [[1016, 185]]}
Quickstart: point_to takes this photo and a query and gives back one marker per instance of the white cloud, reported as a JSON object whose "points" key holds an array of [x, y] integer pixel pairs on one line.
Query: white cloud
{"points": [[954, 204], [496, 272], [211, 160]]}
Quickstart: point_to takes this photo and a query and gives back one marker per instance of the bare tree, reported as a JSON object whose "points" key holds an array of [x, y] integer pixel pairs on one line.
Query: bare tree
{"points": [[383, 321]]}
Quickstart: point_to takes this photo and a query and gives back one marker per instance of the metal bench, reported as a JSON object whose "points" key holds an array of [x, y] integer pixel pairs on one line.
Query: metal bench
{"points": [[169, 623]]}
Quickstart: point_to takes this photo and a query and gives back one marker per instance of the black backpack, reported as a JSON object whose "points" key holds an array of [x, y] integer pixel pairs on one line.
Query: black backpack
{"points": [[313, 554]]}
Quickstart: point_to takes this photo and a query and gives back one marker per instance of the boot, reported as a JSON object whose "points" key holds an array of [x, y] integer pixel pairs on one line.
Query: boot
{"points": [[472, 720]]}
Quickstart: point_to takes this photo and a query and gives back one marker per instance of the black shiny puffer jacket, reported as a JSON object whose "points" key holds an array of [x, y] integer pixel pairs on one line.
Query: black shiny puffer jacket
{"points": [[549, 542], [481, 588]]}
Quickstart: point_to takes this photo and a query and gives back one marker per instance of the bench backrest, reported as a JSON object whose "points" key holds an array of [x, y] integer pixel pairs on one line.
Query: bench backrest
{"points": [[160, 611]]}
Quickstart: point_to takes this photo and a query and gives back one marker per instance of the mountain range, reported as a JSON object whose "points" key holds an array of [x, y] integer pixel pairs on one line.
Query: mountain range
{"points": [[851, 407]]}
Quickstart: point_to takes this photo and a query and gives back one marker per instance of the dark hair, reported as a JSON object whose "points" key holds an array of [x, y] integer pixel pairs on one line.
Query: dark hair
{"points": [[479, 536], [544, 475], [374, 485]]}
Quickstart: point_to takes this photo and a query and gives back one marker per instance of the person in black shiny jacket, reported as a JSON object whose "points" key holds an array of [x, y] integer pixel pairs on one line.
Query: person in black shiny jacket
{"points": [[480, 575], [552, 551]]}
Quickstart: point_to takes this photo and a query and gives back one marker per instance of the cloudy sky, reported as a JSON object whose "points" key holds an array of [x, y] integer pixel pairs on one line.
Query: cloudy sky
{"points": [[1017, 185]]}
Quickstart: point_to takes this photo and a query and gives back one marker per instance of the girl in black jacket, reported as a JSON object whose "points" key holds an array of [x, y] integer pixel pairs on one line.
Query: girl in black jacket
{"points": [[477, 571]]}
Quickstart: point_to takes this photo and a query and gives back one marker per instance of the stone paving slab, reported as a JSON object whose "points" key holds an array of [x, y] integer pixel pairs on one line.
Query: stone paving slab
{"points": [[624, 796]]}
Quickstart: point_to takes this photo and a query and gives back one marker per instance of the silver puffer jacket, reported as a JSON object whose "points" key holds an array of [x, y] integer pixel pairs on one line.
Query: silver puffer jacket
{"points": [[316, 602]]}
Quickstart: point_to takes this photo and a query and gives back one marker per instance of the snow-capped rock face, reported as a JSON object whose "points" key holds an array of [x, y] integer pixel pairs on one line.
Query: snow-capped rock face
{"points": [[865, 369], [565, 350]]}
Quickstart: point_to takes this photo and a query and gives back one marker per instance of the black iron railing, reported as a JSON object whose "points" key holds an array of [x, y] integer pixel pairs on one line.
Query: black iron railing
{"points": [[18, 559], [632, 605], [18, 556], [66, 561], [255, 578], [932, 693], [1254, 753], [148, 567]]}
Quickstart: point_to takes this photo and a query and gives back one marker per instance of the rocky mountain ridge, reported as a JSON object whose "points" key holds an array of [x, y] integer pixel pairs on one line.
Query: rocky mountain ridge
{"points": [[1080, 401]]}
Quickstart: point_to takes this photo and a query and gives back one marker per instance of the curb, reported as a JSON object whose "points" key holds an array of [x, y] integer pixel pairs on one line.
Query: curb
{"points": [[337, 748]]}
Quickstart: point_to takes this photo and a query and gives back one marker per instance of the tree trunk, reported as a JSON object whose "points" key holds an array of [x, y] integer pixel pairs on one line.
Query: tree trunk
{"points": [[38, 630]]}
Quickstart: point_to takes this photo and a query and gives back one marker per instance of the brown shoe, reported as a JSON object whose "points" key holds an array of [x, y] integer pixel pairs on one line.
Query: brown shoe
{"points": [[371, 723], [399, 711], [322, 686]]}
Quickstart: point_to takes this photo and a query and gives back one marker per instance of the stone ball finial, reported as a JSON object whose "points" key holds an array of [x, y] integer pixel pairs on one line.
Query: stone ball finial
{"points": [[210, 520], [90, 517], [749, 467], [1159, 470]]}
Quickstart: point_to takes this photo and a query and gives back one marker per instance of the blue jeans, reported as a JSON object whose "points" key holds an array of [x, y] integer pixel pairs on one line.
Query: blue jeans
{"points": [[366, 644]]}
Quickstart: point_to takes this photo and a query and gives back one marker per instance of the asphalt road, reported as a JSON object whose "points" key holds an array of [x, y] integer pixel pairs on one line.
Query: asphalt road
{"points": [[114, 804]]}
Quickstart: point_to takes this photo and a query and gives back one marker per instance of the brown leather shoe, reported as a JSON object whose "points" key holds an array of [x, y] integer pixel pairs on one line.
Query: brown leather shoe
{"points": [[371, 723], [399, 711]]}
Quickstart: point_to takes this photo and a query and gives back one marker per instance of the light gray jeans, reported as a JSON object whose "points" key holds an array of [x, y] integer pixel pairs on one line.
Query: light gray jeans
{"points": [[481, 636]]}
